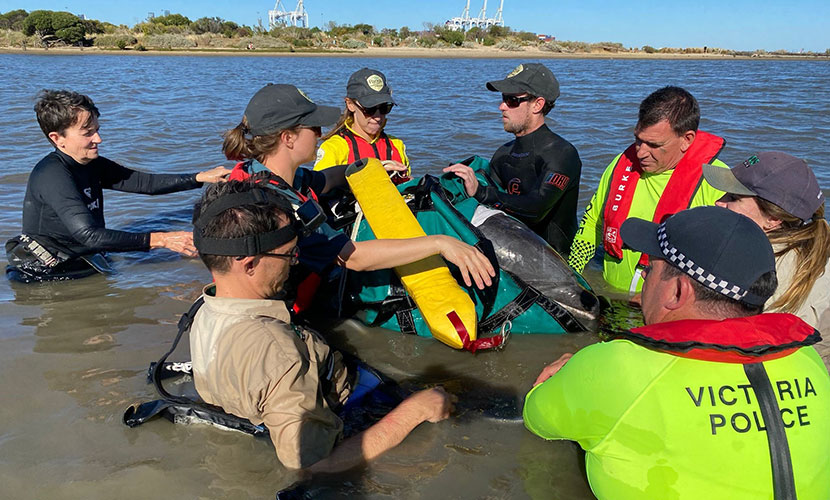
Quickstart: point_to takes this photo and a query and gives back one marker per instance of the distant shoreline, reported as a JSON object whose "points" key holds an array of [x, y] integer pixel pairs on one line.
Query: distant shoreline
{"points": [[410, 52]]}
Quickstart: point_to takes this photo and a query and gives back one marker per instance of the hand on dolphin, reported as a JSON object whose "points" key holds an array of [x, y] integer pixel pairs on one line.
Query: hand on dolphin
{"points": [[470, 261]]}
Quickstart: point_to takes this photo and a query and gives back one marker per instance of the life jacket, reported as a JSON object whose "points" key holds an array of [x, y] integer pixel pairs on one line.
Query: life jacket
{"points": [[747, 341], [309, 284], [752, 339], [684, 183], [382, 148]]}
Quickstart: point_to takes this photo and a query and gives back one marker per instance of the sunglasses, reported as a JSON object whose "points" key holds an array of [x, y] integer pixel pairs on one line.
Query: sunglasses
{"points": [[513, 101], [293, 255], [383, 109]]}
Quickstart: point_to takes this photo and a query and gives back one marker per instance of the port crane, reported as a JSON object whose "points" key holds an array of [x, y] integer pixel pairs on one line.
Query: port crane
{"points": [[278, 16], [465, 22]]}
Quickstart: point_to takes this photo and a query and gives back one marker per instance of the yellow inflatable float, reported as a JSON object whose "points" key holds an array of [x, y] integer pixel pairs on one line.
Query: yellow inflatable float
{"points": [[447, 309]]}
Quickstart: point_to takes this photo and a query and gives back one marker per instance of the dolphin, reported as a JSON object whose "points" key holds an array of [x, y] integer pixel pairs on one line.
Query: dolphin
{"points": [[526, 255]]}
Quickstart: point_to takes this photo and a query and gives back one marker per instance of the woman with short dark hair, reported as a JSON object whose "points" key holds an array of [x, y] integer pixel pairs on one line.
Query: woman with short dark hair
{"points": [[64, 232]]}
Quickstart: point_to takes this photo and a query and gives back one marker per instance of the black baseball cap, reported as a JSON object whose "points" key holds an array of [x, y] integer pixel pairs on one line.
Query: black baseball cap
{"points": [[723, 250], [531, 78], [776, 177], [369, 88], [280, 106]]}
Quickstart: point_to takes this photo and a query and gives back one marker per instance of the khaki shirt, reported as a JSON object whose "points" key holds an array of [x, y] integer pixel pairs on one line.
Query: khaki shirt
{"points": [[816, 308], [250, 360]]}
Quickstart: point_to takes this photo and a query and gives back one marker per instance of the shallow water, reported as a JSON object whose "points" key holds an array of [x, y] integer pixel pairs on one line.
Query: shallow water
{"points": [[73, 355]]}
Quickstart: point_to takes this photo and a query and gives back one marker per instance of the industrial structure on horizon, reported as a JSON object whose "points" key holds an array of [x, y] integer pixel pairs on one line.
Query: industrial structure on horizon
{"points": [[278, 16], [465, 22]]}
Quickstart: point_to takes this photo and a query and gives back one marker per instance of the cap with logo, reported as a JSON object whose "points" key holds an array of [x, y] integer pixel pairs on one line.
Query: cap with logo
{"points": [[723, 250], [528, 78], [277, 107], [777, 177], [369, 88]]}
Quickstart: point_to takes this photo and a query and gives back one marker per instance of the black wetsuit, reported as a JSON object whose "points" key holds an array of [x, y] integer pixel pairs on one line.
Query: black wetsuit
{"points": [[540, 174], [63, 209]]}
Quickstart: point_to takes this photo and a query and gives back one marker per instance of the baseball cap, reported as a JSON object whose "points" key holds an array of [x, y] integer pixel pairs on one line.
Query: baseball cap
{"points": [[532, 78], [777, 177], [369, 88], [277, 107], [723, 250]]}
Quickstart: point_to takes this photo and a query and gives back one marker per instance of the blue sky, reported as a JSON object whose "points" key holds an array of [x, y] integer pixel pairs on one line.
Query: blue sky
{"points": [[733, 24]]}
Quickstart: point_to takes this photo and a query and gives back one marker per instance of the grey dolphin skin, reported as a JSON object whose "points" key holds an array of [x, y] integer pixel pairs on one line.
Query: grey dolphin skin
{"points": [[522, 252]]}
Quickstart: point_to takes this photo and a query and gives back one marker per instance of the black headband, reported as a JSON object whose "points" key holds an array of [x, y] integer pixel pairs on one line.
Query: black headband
{"points": [[250, 245]]}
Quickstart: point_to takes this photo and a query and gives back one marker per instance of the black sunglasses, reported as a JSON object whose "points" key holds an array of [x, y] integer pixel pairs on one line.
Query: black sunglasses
{"points": [[293, 255], [513, 101], [383, 109]]}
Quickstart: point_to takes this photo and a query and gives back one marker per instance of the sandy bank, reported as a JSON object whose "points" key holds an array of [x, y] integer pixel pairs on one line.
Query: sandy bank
{"points": [[405, 52]]}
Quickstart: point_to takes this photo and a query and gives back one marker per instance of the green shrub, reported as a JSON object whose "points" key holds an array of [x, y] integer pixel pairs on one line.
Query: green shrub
{"points": [[648, 49], [169, 41], [526, 36], [509, 45], [263, 42], [428, 41], [140, 48], [488, 41], [377, 41], [171, 20], [551, 47], [351, 43], [110, 41], [13, 20], [449, 36]]}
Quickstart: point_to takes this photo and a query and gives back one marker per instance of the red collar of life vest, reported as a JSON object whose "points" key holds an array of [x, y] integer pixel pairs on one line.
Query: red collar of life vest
{"points": [[750, 339], [677, 196]]}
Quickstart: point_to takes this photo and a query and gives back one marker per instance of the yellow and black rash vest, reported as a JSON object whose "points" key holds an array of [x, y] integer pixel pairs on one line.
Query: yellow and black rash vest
{"points": [[734, 409]]}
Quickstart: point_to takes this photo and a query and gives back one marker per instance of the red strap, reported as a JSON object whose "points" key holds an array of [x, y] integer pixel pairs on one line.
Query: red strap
{"points": [[677, 196], [305, 292], [365, 150], [472, 345]]}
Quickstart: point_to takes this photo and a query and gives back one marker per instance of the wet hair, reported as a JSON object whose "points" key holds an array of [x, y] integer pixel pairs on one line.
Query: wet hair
{"points": [[811, 243], [235, 222], [240, 145], [57, 110], [720, 305], [674, 104]]}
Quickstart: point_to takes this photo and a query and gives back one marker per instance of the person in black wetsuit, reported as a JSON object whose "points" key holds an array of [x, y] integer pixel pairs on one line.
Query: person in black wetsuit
{"points": [[539, 171], [63, 209]]}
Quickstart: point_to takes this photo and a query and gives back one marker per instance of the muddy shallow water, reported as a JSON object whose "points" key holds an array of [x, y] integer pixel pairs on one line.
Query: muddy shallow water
{"points": [[74, 355]]}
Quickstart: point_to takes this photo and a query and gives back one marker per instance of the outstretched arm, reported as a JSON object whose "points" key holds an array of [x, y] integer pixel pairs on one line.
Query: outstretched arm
{"points": [[383, 254], [430, 405]]}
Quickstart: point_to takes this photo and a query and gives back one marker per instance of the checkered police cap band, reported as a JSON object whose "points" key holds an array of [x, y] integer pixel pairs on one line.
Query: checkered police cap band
{"points": [[689, 267]]}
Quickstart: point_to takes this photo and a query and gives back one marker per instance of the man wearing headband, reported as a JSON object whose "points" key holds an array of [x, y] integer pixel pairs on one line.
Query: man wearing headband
{"points": [[249, 359], [709, 399], [538, 172]]}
